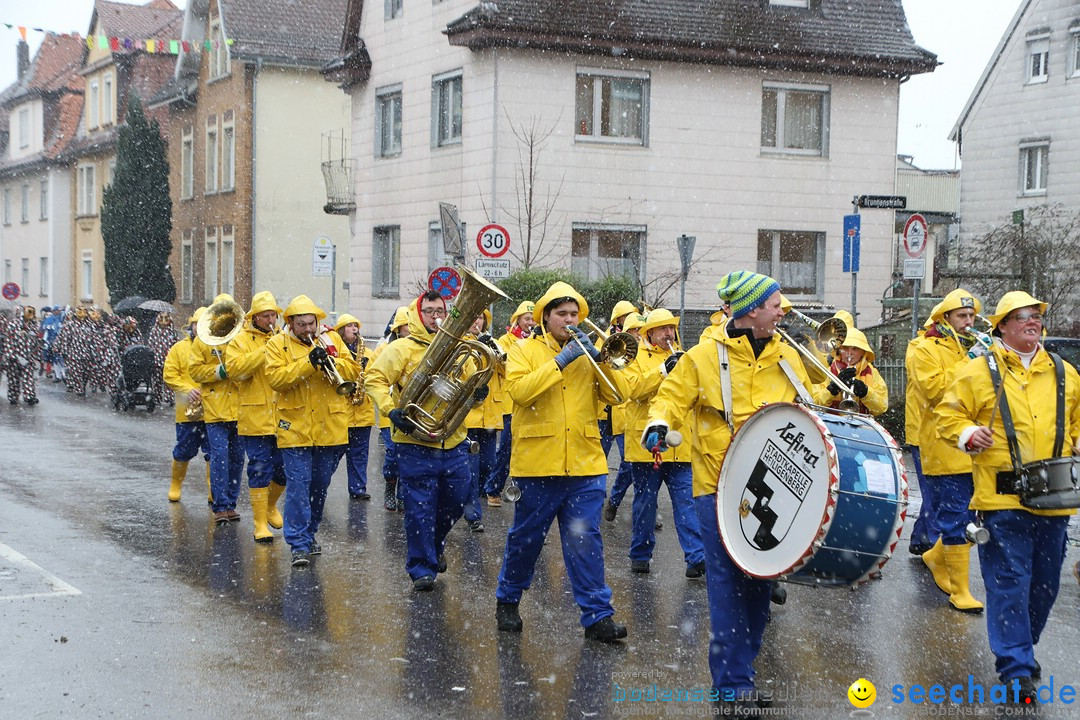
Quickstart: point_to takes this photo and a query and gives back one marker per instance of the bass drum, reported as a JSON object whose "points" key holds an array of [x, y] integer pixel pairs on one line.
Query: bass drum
{"points": [[811, 496]]}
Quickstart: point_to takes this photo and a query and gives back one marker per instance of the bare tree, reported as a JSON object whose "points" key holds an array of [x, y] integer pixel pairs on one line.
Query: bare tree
{"points": [[1040, 255]]}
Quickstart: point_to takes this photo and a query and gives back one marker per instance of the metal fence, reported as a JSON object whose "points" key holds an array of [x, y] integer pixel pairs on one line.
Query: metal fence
{"points": [[895, 376]]}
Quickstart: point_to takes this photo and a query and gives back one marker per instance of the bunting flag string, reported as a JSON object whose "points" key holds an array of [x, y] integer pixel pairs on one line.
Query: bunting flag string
{"points": [[165, 46]]}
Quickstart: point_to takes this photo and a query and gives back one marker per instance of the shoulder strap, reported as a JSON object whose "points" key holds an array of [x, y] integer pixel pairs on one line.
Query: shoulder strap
{"points": [[1059, 430], [1006, 415], [800, 389], [725, 383]]}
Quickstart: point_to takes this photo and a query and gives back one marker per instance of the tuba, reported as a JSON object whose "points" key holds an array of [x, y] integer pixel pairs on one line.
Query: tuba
{"points": [[221, 322], [439, 394]]}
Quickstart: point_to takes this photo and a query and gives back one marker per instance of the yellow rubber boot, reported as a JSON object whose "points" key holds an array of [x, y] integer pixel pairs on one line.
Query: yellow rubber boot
{"points": [[958, 560], [273, 515], [179, 470], [934, 558], [209, 488], [258, 514]]}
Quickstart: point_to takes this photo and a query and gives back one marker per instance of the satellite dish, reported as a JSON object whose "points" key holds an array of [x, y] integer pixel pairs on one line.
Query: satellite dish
{"points": [[451, 230]]}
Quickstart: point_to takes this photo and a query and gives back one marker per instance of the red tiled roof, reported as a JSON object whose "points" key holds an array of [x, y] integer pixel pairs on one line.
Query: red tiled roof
{"points": [[71, 107], [55, 63]]}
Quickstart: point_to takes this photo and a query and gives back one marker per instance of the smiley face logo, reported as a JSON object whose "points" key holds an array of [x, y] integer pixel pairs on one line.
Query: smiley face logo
{"points": [[862, 693]]}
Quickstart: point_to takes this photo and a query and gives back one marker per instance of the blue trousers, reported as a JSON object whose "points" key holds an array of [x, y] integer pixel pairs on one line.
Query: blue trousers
{"points": [[435, 486], [497, 480], [264, 462], [480, 470], [190, 439], [926, 530], [226, 464], [625, 478], [953, 495], [577, 502], [308, 470], [606, 438], [738, 608], [390, 462], [647, 481], [356, 458], [1021, 569]]}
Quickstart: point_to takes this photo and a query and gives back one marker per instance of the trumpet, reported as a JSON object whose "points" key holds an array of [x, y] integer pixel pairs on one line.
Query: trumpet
{"points": [[831, 333], [849, 403], [330, 371], [982, 338], [617, 350]]}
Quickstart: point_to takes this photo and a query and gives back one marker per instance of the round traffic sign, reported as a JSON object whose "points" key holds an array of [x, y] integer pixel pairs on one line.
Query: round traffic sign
{"points": [[10, 291], [915, 235], [493, 240], [446, 281]]}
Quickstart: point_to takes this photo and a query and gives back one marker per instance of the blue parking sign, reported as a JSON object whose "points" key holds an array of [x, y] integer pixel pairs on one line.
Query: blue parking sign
{"points": [[851, 243]]}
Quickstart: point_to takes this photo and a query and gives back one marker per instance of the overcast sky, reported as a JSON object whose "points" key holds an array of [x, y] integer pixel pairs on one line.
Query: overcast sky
{"points": [[963, 34]]}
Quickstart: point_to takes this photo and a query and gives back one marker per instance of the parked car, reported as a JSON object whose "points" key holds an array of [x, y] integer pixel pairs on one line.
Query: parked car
{"points": [[1067, 348]]}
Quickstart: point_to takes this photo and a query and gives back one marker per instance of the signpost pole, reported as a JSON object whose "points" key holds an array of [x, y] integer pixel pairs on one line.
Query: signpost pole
{"points": [[333, 280], [855, 268], [916, 288], [686, 255]]}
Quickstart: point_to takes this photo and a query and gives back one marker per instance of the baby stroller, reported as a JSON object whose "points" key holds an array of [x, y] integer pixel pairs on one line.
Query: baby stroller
{"points": [[133, 385]]}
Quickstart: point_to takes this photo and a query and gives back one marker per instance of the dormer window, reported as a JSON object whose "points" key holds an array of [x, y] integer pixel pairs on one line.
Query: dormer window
{"points": [[219, 51], [1038, 59], [24, 128], [93, 106]]}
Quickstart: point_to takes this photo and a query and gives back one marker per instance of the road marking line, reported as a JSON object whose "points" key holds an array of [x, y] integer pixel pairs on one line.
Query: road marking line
{"points": [[59, 587]]}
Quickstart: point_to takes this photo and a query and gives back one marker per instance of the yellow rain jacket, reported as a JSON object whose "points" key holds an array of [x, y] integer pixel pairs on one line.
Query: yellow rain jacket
{"points": [[488, 414], [245, 359], [362, 414], [644, 376], [176, 376], [220, 398], [506, 342], [877, 396], [390, 373], [935, 364], [690, 396], [913, 399], [555, 431], [1032, 396]]}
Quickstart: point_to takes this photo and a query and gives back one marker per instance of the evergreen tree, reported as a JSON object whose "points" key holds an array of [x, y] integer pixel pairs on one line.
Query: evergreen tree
{"points": [[136, 213]]}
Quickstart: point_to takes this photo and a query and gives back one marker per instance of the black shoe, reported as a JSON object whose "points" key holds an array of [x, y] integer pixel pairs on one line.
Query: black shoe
{"points": [[639, 566], [610, 511], [1036, 674], [696, 570], [424, 584], [606, 630], [316, 548], [300, 559], [1028, 695], [32, 401], [918, 549], [360, 496], [779, 594], [476, 526], [506, 615], [13, 402], [442, 563], [659, 525]]}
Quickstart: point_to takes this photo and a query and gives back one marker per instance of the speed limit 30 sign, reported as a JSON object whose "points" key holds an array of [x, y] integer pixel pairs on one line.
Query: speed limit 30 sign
{"points": [[493, 240]]}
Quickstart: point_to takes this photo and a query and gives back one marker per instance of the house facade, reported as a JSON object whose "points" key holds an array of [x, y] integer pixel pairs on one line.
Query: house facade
{"points": [[596, 136], [42, 108], [248, 111]]}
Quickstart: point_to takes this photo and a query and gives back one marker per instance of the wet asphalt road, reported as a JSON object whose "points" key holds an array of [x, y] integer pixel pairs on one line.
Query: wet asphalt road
{"points": [[116, 603]]}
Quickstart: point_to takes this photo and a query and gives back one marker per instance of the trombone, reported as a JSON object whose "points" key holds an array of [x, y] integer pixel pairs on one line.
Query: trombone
{"points": [[849, 403], [831, 333], [617, 350], [341, 385]]}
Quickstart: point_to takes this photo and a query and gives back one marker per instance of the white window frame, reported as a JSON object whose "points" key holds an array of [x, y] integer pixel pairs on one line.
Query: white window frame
{"points": [[773, 267], [1039, 152], [87, 275], [107, 99], [1074, 52], [393, 9], [93, 106], [1037, 53], [443, 132], [595, 267], [187, 163], [43, 199], [228, 152], [7, 270], [791, 3], [220, 63], [780, 146], [597, 77], [86, 189], [187, 266], [388, 99], [210, 264], [24, 276], [437, 255], [386, 261], [7, 206], [227, 255], [211, 156], [24, 214], [24, 128], [110, 172], [43, 277]]}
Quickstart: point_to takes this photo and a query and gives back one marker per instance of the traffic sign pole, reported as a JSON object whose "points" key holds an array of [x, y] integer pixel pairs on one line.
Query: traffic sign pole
{"points": [[855, 266]]}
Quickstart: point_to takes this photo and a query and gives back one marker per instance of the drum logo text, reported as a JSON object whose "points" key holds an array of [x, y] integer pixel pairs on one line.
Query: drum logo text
{"points": [[795, 444]]}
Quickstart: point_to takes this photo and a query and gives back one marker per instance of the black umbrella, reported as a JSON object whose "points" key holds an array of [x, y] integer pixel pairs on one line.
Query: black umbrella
{"points": [[128, 304]]}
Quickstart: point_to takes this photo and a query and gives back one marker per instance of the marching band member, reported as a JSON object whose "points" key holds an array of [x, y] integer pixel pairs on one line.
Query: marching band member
{"points": [[392, 500], [221, 407], [558, 462], [434, 475], [312, 419], [624, 477], [256, 426], [24, 349], [619, 313], [853, 366], [1021, 563], [693, 394], [482, 425], [190, 428], [935, 363], [361, 410], [521, 325], [925, 531], [657, 356]]}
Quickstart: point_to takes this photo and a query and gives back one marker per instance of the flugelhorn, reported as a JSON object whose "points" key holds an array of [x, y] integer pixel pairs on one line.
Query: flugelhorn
{"points": [[330, 371]]}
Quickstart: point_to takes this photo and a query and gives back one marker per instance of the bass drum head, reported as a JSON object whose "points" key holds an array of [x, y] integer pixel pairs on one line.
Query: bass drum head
{"points": [[776, 490]]}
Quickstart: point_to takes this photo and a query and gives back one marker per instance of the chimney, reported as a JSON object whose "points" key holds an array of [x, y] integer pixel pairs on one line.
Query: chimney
{"points": [[23, 51]]}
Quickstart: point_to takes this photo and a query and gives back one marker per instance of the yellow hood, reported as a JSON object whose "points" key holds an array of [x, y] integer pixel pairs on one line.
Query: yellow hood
{"points": [[303, 305], [1013, 301], [956, 299], [262, 302]]}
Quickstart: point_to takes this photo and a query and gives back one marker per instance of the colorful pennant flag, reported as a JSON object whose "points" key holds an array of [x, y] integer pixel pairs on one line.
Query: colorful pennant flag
{"points": [[106, 42]]}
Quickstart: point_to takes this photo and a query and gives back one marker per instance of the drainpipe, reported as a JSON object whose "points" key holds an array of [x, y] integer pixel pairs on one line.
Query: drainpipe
{"points": [[254, 175]]}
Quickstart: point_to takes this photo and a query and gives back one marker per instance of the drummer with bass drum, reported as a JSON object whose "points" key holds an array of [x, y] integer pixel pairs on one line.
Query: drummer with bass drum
{"points": [[1010, 409]]}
